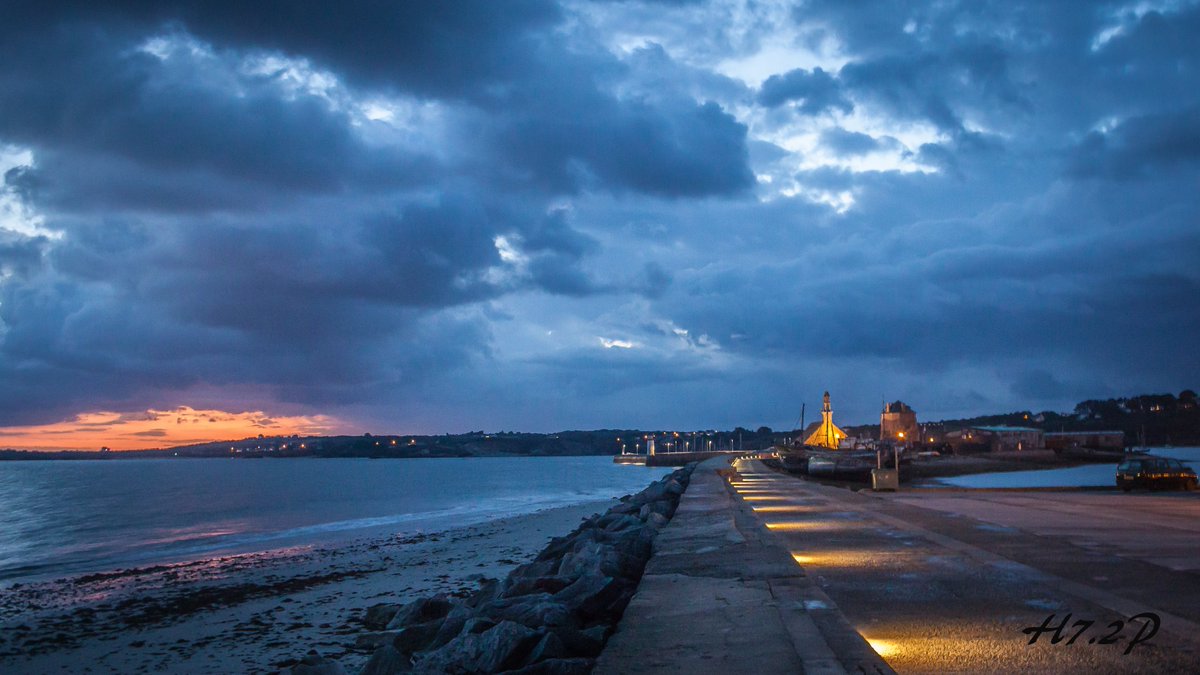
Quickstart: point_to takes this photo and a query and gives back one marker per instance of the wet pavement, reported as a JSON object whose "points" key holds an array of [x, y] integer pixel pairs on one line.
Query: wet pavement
{"points": [[949, 583]]}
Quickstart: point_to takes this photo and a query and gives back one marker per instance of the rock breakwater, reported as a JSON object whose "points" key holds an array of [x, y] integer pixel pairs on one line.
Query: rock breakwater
{"points": [[550, 616]]}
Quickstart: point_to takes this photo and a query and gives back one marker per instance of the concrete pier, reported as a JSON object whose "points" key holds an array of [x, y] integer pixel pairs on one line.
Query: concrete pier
{"points": [[720, 595], [765, 573]]}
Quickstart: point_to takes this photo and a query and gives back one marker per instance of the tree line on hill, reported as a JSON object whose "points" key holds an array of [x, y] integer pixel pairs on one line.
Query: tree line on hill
{"points": [[1150, 419]]}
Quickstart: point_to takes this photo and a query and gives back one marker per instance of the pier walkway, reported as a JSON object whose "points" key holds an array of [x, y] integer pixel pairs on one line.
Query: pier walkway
{"points": [[721, 595], [762, 573]]}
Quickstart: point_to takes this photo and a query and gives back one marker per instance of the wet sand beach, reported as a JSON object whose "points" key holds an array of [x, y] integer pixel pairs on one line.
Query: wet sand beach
{"points": [[255, 612]]}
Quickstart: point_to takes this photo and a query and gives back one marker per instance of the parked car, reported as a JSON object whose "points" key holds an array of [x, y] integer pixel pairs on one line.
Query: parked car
{"points": [[1154, 473]]}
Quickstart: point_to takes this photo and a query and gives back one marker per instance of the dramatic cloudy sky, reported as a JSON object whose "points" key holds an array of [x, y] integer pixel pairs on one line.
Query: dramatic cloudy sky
{"points": [[539, 214]]}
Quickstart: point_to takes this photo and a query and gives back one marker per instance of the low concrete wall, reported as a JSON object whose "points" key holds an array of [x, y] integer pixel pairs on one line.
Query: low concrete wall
{"points": [[673, 458]]}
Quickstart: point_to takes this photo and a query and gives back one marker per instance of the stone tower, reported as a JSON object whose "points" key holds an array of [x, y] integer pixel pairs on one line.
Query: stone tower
{"points": [[898, 423]]}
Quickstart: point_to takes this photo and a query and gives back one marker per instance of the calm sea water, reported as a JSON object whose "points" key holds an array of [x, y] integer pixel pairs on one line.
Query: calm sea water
{"points": [[64, 517], [1088, 474]]}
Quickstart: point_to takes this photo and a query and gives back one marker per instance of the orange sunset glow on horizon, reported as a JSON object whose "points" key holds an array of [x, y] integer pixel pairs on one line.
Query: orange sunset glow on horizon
{"points": [[160, 429]]}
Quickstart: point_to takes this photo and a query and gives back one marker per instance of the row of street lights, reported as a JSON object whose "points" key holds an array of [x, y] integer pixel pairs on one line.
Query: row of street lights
{"points": [[673, 442]]}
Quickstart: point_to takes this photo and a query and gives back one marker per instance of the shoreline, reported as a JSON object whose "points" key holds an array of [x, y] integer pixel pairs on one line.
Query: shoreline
{"points": [[252, 612], [950, 466]]}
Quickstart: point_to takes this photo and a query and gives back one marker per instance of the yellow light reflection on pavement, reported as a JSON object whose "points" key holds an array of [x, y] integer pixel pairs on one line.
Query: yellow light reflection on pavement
{"points": [[756, 491], [785, 509], [839, 558], [803, 525]]}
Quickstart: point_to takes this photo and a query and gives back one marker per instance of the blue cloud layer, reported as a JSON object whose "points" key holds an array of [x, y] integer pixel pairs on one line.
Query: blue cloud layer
{"points": [[568, 214]]}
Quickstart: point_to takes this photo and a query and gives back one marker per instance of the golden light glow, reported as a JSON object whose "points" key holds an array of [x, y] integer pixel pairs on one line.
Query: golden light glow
{"points": [[764, 498], [884, 648], [783, 509], [160, 429], [759, 490], [801, 525], [838, 558]]}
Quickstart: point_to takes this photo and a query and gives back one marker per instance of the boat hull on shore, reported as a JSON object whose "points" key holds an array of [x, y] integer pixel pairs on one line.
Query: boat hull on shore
{"points": [[839, 464]]}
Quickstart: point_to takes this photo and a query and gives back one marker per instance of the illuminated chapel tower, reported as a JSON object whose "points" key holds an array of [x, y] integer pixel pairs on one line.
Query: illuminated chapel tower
{"points": [[827, 435]]}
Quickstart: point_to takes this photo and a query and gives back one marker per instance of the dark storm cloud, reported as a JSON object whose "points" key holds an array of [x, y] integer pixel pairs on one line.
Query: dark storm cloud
{"points": [[549, 115], [937, 86], [415, 46], [20, 255], [579, 137], [1142, 146], [122, 125], [814, 91]]}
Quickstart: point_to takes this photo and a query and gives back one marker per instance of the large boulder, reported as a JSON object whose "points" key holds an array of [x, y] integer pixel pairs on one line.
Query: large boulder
{"points": [[586, 643], [451, 626], [503, 647], [656, 491], [315, 664], [622, 522], [488, 590], [416, 637], [626, 506], [549, 647], [634, 543], [527, 585], [559, 546], [386, 661], [580, 560], [374, 640], [593, 596], [662, 507], [378, 616], [535, 610], [423, 610]]}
